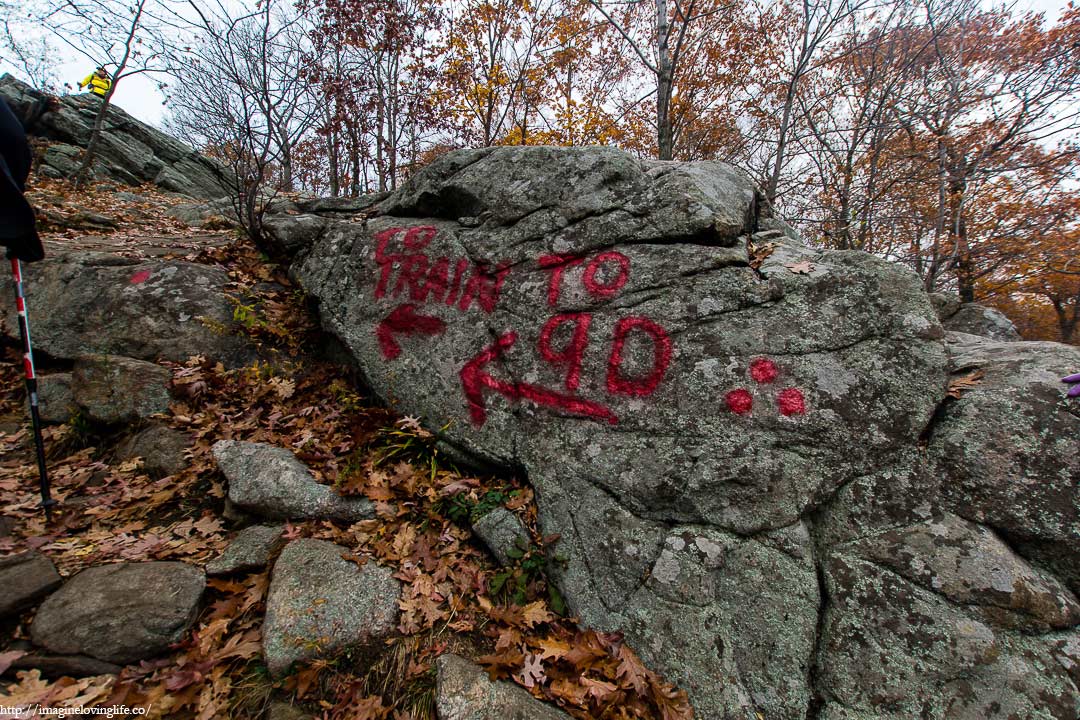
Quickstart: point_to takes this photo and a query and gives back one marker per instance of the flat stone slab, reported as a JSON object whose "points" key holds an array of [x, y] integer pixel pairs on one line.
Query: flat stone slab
{"points": [[120, 613], [251, 549], [463, 691], [84, 302], [320, 604], [502, 532], [113, 389], [161, 448], [271, 482], [25, 579], [58, 666]]}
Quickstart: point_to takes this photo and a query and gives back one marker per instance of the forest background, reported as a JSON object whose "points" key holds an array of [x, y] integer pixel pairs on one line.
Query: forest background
{"points": [[941, 134]]}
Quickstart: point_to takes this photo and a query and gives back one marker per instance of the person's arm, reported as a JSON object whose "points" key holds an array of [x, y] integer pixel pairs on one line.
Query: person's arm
{"points": [[1073, 380], [86, 81]]}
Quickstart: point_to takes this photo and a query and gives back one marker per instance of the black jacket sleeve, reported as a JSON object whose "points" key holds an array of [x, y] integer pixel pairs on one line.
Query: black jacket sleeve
{"points": [[18, 231]]}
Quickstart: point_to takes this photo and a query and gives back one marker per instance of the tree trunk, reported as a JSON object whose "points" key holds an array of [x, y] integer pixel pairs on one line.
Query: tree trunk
{"points": [[333, 146], [95, 137], [354, 159], [665, 136]]}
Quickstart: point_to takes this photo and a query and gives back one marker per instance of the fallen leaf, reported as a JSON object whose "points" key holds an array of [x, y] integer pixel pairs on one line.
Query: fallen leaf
{"points": [[958, 386], [804, 267]]}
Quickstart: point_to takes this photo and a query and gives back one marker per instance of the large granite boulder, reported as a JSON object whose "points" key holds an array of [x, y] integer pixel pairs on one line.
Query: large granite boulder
{"points": [[320, 604], [87, 302], [129, 151], [717, 420], [120, 613]]}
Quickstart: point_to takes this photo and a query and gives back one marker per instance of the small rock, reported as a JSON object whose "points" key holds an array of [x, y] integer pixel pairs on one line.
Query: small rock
{"points": [[270, 481], [285, 711], [289, 234], [7, 526], [502, 531], [464, 692], [979, 320], [319, 604], [250, 550], [161, 448], [25, 578], [58, 666], [120, 613], [56, 401], [116, 389]]}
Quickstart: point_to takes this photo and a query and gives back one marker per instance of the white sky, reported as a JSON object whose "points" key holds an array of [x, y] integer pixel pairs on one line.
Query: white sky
{"points": [[139, 94]]}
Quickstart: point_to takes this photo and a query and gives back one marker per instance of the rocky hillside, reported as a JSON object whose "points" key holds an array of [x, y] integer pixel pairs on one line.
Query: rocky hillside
{"points": [[131, 152], [546, 432]]}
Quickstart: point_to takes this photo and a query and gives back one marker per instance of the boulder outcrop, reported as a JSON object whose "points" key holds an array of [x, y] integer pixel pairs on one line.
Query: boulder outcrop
{"points": [[129, 151], [97, 302], [743, 443]]}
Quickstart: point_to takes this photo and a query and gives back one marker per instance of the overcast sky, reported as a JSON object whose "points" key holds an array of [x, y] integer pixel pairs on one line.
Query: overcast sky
{"points": [[139, 94]]}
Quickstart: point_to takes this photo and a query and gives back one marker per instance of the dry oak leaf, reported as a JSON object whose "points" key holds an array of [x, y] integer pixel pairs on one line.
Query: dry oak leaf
{"points": [[958, 386], [532, 672], [804, 267]]}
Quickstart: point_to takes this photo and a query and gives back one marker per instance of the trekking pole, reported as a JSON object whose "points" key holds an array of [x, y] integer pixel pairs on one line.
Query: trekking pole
{"points": [[31, 388]]}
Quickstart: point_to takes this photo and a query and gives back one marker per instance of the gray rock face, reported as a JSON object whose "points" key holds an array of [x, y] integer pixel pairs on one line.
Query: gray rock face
{"points": [[113, 389], [985, 321], [931, 614], [269, 481], [83, 303], [750, 461], [120, 613], [251, 549], [288, 234], [320, 604], [464, 692], [161, 448], [502, 532], [889, 642], [25, 578], [130, 151], [56, 400], [1007, 449]]}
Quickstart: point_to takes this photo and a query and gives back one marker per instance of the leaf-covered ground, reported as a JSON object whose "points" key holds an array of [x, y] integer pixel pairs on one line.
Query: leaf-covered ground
{"points": [[455, 599]]}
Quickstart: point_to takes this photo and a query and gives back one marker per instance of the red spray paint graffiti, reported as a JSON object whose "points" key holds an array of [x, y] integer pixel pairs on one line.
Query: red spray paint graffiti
{"points": [[474, 379], [574, 352], [557, 265], [643, 386], [603, 277], [763, 371], [410, 272], [423, 281], [404, 320]]}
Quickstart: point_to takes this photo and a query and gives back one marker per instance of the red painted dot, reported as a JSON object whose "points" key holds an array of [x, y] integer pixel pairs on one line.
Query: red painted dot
{"points": [[140, 277], [739, 401], [763, 370], [791, 402]]}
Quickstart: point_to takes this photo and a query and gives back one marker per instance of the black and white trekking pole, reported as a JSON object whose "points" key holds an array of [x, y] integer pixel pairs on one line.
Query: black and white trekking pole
{"points": [[31, 388]]}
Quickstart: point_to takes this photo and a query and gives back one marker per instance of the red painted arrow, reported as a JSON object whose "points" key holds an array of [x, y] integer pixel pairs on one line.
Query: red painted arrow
{"points": [[404, 320], [474, 379]]}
